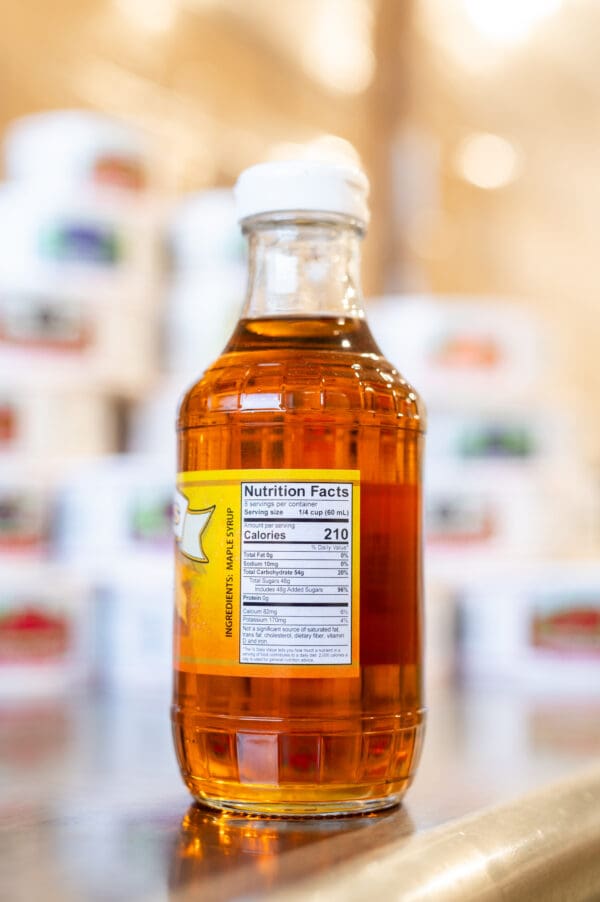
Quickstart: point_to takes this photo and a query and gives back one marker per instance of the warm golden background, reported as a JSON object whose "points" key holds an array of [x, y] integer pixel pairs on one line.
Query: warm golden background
{"points": [[219, 84]]}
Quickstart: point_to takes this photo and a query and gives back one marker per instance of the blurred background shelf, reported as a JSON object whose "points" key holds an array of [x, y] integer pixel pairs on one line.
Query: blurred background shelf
{"points": [[123, 271]]}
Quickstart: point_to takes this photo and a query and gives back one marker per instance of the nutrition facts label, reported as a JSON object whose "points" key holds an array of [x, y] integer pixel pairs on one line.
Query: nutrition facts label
{"points": [[296, 573]]}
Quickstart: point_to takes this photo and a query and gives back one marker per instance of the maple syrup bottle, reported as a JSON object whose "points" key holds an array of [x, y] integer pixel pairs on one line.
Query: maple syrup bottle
{"points": [[298, 626]]}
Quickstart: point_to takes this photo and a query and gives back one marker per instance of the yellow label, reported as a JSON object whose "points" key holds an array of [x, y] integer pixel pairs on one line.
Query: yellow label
{"points": [[267, 572]]}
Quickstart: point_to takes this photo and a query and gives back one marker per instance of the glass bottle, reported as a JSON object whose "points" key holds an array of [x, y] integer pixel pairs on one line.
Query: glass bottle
{"points": [[298, 630]]}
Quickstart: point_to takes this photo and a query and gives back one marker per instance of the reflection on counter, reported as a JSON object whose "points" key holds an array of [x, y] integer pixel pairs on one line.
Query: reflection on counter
{"points": [[219, 854]]}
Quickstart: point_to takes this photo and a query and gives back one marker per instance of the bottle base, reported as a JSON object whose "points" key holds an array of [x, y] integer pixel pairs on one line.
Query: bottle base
{"points": [[283, 804], [298, 774]]}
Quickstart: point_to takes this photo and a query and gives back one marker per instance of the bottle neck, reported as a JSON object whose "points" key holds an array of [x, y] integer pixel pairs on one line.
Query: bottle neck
{"points": [[303, 267]]}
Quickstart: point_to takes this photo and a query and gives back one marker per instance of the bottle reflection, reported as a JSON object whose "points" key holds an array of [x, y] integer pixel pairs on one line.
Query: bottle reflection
{"points": [[226, 854]]}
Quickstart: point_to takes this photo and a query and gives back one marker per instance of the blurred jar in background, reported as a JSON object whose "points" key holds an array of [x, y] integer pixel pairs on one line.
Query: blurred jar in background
{"points": [[208, 280]]}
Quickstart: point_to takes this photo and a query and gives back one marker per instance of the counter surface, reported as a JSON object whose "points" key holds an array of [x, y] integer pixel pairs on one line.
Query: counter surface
{"points": [[92, 806]]}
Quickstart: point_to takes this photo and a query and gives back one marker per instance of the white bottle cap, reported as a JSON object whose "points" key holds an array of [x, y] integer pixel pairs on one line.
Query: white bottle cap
{"points": [[303, 185]]}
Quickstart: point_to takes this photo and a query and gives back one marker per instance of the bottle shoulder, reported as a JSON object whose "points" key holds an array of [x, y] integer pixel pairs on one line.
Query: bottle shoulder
{"points": [[300, 381]]}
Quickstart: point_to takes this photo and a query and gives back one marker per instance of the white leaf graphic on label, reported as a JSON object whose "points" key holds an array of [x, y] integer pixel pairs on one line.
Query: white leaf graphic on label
{"points": [[188, 526]]}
